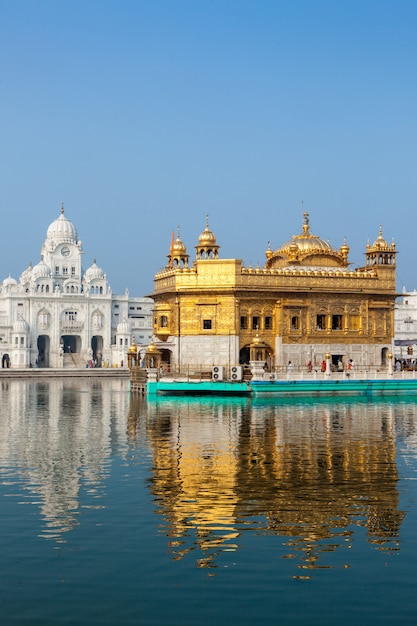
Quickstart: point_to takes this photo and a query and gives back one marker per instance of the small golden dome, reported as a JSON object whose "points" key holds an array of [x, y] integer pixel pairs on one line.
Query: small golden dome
{"points": [[268, 252], [152, 348], [207, 237], [178, 247], [380, 243]]}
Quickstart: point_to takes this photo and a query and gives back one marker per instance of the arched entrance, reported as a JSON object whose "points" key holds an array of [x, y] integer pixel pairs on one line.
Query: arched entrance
{"points": [[244, 355], [384, 356], [166, 360], [97, 348], [43, 351], [5, 361], [71, 343]]}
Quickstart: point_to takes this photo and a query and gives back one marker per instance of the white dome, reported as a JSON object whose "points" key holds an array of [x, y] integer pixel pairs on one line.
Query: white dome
{"points": [[26, 275], [94, 272], [124, 328], [41, 270], [62, 229], [9, 281], [21, 326]]}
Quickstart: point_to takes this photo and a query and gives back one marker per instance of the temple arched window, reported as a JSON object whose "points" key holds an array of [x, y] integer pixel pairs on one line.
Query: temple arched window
{"points": [[337, 321], [321, 322]]}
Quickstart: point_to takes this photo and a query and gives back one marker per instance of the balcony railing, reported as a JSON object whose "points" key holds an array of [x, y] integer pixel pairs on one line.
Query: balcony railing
{"points": [[71, 326]]}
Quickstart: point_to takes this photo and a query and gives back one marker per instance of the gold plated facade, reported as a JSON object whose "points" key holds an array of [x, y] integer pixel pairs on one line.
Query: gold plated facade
{"points": [[304, 302]]}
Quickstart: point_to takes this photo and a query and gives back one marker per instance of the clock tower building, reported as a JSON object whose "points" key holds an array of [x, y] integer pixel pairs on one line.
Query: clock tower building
{"points": [[59, 315], [62, 252]]}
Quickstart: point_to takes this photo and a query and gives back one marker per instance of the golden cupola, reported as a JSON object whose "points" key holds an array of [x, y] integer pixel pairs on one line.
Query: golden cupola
{"points": [[177, 257], [381, 252], [307, 249], [207, 247]]}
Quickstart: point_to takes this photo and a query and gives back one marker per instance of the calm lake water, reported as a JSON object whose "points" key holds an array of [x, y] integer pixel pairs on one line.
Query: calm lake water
{"points": [[118, 510]]}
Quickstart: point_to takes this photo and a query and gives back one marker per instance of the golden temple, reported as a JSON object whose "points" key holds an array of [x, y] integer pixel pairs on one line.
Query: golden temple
{"points": [[304, 302]]}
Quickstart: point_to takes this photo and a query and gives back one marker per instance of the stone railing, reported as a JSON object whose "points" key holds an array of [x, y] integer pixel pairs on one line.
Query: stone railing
{"points": [[71, 326]]}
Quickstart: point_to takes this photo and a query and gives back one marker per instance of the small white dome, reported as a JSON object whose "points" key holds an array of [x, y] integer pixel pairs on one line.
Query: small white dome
{"points": [[93, 272], [124, 328], [9, 281], [26, 275], [21, 326], [41, 270], [62, 229]]}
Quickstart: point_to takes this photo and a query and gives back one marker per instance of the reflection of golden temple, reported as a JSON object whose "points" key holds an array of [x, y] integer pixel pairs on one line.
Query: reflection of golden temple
{"points": [[313, 480], [305, 301]]}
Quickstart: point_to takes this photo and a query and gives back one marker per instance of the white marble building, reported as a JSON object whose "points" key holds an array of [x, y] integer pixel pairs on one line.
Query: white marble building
{"points": [[405, 329], [57, 315]]}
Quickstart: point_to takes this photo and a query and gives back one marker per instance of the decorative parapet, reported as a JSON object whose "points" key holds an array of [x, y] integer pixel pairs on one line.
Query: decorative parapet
{"points": [[230, 273], [72, 326]]}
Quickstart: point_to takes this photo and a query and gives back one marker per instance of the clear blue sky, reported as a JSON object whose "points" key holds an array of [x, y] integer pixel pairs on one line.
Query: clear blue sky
{"points": [[145, 115]]}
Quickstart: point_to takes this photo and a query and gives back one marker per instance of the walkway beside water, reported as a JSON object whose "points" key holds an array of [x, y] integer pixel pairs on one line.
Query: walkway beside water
{"points": [[93, 372]]}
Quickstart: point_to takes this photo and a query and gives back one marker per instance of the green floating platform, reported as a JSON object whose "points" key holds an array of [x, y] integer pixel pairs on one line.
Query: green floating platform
{"points": [[284, 388]]}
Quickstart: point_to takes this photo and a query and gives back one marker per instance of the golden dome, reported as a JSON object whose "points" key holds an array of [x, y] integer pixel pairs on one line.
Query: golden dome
{"points": [[178, 247], [207, 237], [306, 242], [152, 349], [380, 243], [177, 257], [307, 249]]}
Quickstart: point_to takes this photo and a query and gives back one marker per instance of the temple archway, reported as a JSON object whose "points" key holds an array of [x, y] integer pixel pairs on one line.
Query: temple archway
{"points": [[43, 350], [244, 355], [71, 343], [166, 360], [97, 348]]}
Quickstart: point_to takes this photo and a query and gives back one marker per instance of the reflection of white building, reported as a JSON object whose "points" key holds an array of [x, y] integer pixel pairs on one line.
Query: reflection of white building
{"points": [[406, 326], [63, 431], [59, 316]]}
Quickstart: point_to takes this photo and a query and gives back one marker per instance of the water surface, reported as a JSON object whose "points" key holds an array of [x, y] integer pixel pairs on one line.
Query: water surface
{"points": [[119, 510]]}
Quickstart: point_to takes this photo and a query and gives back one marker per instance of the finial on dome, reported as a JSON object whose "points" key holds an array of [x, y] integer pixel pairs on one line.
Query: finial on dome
{"points": [[268, 252], [207, 223], [305, 222], [62, 207]]}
